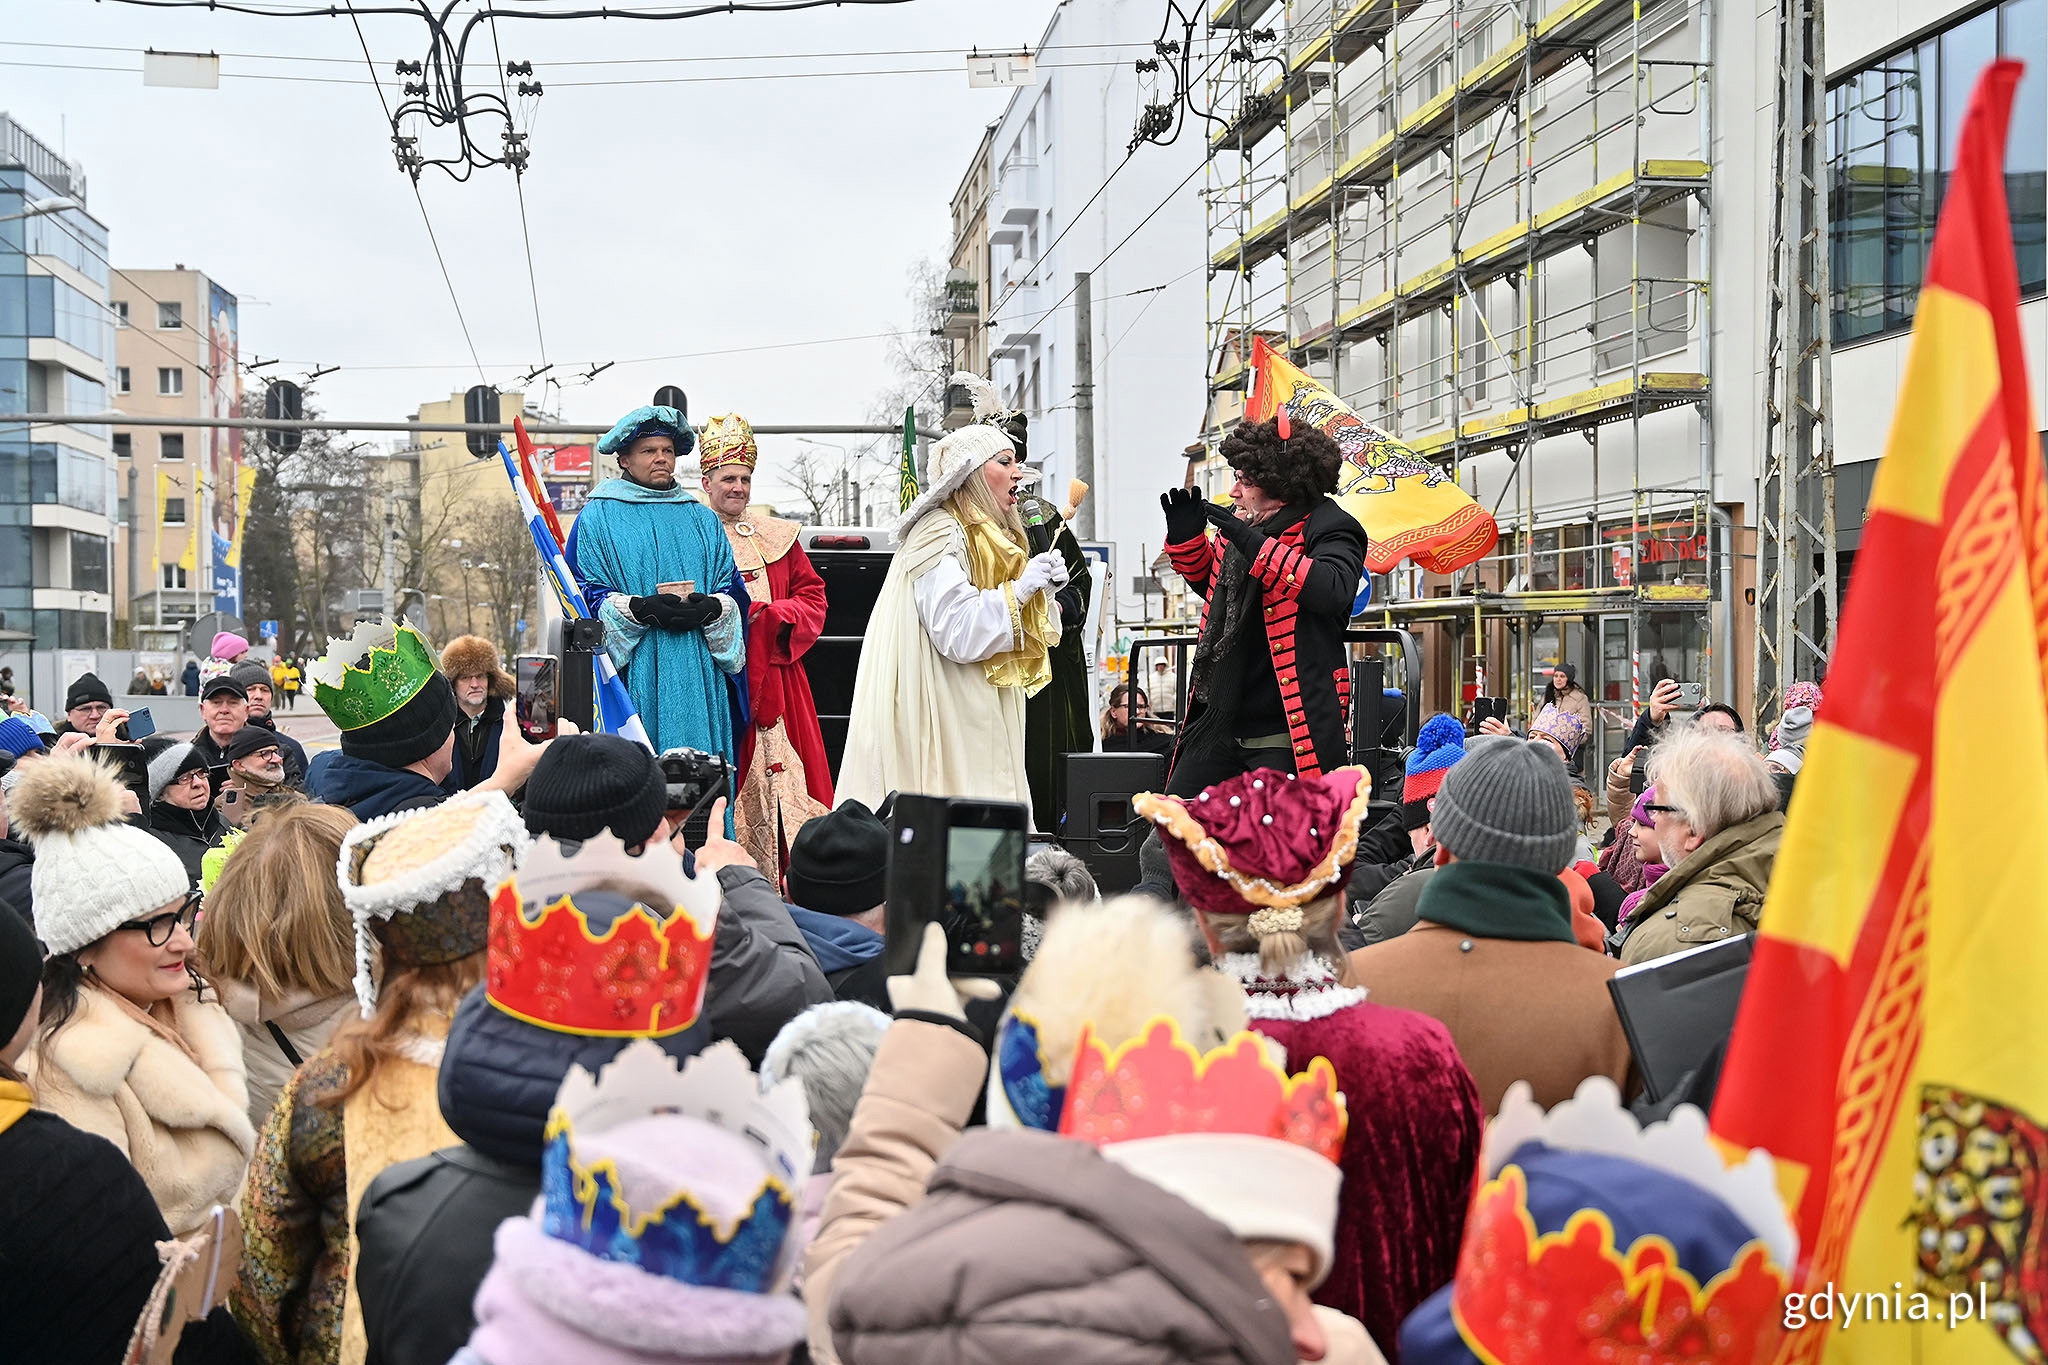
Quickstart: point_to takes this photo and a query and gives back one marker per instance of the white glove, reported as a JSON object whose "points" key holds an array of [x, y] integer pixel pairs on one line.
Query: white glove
{"points": [[930, 990], [1042, 572]]}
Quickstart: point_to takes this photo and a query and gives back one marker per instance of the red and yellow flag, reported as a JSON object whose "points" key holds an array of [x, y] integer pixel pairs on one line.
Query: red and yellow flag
{"points": [[1892, 1046], [529, 474], [1410, 509]]}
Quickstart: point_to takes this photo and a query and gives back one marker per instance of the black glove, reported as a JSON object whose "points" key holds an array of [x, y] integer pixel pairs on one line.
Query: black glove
{"points": [[1183, 508], [658, 611], [696, 612], [1071, 610], [1245, 536]]}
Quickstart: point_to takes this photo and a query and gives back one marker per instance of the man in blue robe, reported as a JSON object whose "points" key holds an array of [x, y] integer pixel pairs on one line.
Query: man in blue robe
{"points": [[683, 655]]}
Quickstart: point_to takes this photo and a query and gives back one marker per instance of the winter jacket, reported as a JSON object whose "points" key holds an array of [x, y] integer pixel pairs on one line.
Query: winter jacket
{"points": [[17, 864], [423, 1228], [1029, 1247], [305, 1020], [762, 972], [1392, 912], [370, 789], [187, 833], [1714, 892], [181, 1118], [78, 1235], [1384, 853], [294, 752], [476, 747]]}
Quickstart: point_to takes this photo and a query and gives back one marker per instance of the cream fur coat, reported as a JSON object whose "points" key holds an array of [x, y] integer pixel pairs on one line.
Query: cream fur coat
{"points": [[185, 1128]]}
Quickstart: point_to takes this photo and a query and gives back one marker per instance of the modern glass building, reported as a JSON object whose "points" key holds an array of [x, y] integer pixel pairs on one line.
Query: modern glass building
{"points": [[57, 493]]}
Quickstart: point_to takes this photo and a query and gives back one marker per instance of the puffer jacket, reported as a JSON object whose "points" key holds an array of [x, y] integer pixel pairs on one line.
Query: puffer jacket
{"points": [[1030, 1247], [306, 1021], [1714, 892]]}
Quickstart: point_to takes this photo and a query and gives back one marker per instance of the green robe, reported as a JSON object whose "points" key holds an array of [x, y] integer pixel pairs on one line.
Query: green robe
{"points": [[1056, 721]]}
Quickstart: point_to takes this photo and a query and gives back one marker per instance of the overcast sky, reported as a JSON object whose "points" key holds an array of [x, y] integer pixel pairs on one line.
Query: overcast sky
{"points": [[679, 217]]}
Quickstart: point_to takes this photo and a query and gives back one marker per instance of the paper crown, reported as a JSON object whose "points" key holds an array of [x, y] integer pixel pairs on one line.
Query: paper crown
{"points": [[1157, 1085], [1679, 1259], [642, 976], [1262, 839], [708, 1232], [1035, 1100], [370, 673], [727, 439]]}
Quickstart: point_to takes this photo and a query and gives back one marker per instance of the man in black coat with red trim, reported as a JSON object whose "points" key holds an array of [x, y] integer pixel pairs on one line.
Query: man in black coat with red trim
{"points": [[1271, 682]]}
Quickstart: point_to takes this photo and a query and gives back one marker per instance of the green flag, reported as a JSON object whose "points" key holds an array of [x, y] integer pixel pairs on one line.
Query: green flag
{"points": [[906, 472]]}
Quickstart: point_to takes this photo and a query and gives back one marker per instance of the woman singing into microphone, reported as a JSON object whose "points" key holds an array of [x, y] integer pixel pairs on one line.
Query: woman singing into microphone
{"points": [[960, 636]]}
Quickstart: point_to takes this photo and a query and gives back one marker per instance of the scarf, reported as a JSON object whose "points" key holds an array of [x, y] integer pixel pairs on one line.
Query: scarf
{"points": [[1229, 602], [625, 490], [1634, 899], [994, 561], [1494, 900], [1307, 990]]}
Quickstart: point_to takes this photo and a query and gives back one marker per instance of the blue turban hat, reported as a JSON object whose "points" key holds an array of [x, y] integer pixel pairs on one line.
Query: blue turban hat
{"points": [[649, 421]]}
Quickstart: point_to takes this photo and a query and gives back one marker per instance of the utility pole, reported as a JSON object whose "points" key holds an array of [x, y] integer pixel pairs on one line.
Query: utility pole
{"points": [[1795, 596], [134, 511], [387, 577], [1084, 401]]}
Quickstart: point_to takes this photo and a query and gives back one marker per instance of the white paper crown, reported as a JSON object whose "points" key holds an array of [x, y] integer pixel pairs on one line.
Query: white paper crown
{"points": [[331, 668], [654, 876], [1593, 1120]]}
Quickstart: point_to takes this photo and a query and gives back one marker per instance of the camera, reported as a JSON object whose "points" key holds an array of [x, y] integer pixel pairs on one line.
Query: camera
{"points": [[695, 779]]}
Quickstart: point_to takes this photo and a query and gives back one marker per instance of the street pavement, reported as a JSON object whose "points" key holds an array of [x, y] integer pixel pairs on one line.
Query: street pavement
{"points": [[310, 726]]}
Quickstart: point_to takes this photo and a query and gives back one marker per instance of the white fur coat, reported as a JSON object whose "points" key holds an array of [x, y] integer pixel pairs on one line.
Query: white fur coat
{"points": [[185, 1128]]}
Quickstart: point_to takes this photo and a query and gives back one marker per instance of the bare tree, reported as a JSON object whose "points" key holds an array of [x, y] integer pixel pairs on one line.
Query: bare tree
{"points": [[921, 359]]}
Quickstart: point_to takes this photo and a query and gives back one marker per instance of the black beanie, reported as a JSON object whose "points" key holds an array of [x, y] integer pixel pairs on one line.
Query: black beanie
{"points": [[838, 862], [585, 784], [413, 732], [87, 689], [21, 969]]}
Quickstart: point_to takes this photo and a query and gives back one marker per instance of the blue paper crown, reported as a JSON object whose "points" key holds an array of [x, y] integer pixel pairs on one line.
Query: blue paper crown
{"points": [[678, 1241], [1020, 1061]]}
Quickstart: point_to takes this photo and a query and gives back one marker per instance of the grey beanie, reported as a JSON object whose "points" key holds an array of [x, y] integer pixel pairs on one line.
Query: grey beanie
{"points": [[1508, 801], [170, 764], [1793, 728]]}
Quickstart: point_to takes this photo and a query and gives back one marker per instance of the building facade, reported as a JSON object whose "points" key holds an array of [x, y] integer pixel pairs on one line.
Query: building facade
{"points": [[177, 354], [967, 279], [1533, 241], [58, 502], [1063, 201]]}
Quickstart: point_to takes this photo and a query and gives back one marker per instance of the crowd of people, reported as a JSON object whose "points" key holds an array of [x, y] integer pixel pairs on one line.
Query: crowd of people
{"points": [[498, 1060]]}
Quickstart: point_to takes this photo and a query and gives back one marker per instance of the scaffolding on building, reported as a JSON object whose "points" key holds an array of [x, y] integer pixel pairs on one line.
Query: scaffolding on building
{"points": [[1397, 203]]}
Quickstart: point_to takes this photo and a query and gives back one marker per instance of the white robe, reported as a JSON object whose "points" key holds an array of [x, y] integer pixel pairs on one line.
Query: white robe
{"points": [[925, 717]]}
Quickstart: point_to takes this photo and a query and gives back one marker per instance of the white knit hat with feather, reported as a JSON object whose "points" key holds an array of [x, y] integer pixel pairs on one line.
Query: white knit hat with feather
{"points": [[962, 452], [93, 872]]}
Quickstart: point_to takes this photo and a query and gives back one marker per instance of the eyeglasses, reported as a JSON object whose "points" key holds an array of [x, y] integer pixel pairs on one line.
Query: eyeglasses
{"points": [[158, 929], [1667, 810]]}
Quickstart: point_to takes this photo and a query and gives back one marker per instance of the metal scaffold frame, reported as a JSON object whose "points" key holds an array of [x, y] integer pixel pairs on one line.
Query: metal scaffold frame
{"points": [[1483, 140], [1796, 591]]}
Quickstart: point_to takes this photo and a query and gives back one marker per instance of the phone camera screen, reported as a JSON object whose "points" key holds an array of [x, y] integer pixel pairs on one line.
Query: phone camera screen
{"points": [[984, 900]]}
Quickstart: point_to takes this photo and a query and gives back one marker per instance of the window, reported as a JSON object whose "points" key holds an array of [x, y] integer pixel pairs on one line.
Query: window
{"points": [[170, 316], [170, 381], [174, 511], [171, 575], [124, 445], [170, 445], [121, 381], [1892, 129], [120, 307], [88, 562]]}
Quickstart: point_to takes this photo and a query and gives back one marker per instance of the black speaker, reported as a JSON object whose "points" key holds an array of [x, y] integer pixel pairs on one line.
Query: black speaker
{"points": [[1099, 826]]}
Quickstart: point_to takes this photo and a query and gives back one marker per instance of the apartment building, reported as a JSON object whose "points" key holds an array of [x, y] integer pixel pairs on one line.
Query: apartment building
{"points": [[177, 355], [1532, 239], [57, 490], [967, 279]]}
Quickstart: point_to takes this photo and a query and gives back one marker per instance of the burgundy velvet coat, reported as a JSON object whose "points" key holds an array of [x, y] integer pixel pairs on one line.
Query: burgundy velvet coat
{"points": [[1410, 1152]]}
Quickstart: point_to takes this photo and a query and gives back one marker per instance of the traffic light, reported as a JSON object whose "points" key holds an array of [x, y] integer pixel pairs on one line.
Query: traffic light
{"points": [[283, 401], [480, 406], [669, 396]]}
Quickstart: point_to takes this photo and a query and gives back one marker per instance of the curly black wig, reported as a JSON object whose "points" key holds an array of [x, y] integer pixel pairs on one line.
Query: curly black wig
{"points": [[1297, 470]]}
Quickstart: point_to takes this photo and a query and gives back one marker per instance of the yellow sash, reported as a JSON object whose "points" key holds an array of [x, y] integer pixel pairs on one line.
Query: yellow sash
{"points": [[994, 561]]}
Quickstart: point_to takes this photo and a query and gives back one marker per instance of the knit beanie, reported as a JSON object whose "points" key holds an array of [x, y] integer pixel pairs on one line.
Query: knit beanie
{"points": [[1508, 802], [93, 872], [584, 784], [21, 969], [838, 862], [250, 674], [86, 690], [18, 737], [1793, 728], [170, 764], [414, 731], [248, 740], [1439, 744], [228, 646]]}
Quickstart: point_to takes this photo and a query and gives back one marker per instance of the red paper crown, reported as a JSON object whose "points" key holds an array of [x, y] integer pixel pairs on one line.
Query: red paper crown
{"points": [[1573, 1298], [1159, 1085], [644, 976]]}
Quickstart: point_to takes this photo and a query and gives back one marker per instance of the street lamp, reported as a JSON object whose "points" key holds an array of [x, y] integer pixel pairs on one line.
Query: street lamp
{"points": [[55, 203]]}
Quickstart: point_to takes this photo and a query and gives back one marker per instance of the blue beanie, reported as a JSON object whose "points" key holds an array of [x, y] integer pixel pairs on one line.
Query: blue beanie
{"points": [[1440, 743], [649, 421], [18, 737]]}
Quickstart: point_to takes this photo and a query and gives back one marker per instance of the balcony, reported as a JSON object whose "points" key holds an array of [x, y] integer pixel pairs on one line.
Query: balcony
{"points": [[1014, 319], [963, 309], [1014, 206]]}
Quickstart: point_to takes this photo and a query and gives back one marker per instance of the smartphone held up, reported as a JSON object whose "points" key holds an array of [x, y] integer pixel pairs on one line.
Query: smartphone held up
{"points": [[539, 695], [959, 864]]}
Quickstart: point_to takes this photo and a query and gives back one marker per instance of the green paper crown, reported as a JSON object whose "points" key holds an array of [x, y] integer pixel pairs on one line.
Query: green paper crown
{"points": [[366, 677]]}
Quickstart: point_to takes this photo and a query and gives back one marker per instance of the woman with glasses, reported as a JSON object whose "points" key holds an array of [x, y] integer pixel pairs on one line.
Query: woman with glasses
{"points": [[181, 812], [131, 1044]]}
